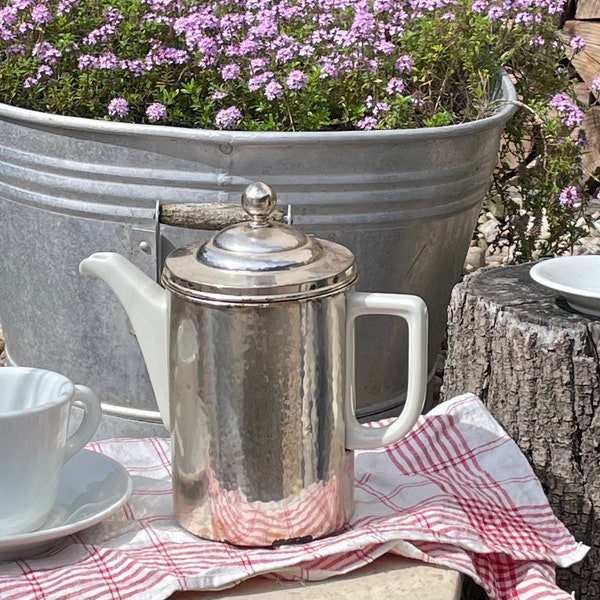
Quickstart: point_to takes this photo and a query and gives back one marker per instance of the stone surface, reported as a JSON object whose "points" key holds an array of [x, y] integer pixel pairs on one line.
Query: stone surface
{"points": [[389, 577]]}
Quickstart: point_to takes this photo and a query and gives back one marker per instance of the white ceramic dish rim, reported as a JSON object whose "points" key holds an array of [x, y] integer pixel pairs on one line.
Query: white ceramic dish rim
{"points": [[42, 535], [541, 273]]}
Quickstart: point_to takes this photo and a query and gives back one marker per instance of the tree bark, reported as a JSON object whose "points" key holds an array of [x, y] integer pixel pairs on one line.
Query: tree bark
{"points": [[535, 365]]}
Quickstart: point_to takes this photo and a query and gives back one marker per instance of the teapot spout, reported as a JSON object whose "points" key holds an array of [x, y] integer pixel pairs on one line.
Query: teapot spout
{"points": [[146, 305]]}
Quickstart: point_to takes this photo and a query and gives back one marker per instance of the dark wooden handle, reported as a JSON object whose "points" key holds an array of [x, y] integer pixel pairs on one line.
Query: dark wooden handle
{"points": [[209, 216]]}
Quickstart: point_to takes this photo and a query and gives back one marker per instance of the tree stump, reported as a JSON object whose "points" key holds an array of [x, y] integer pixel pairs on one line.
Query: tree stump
{"points": [[535, 365]]}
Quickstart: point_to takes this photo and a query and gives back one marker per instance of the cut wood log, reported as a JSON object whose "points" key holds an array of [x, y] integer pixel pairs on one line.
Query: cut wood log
{"points": [[587, 9], [535, 364], [586, 62], [590, 156], [590, 153]]}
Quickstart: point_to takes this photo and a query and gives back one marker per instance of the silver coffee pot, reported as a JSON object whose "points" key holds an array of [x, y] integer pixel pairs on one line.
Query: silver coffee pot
{"points": [[250, 351]]}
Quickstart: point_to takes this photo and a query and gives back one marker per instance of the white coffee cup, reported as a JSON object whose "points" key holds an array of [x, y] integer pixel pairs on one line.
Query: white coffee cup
{"points": [[35, 406]]}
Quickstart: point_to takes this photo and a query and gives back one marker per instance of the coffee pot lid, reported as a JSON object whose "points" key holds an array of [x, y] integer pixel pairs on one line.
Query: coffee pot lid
{"points": [[259, 260]]}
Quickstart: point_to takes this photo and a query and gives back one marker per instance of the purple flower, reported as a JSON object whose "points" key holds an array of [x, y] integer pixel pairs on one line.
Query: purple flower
{"points": [[273, 90], [25, 26], [296, 80], [568, 196], [156, 111], [40, 14], [395, 86], [364, 22], [135, 66], [230, 71], [107, 60], [165, 55], [46, 52], [404, 64], [569, 112], [577, 44], [44, 70], [259, 81], [100, 34], [595, 85], [16, 49], [479, 6], [64, 7], [385, 47], [29, 82], [495, 13], [86, 60], [367, 123], [582, 139], [258, 65], [227, 118], [381, 107], [306, 50], [284, 55], [113, 15], [118, 107], [248, 47], [218, 95]]}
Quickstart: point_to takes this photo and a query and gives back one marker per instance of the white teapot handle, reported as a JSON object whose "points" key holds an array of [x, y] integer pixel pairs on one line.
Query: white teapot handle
{"points": [[414, 311]]}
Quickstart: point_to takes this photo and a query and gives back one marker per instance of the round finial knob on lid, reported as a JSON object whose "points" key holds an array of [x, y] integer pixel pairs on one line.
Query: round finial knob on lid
{"points": [[259, 201]]}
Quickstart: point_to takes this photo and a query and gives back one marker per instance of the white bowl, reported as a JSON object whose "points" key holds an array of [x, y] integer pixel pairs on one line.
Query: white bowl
{"points": [[575, 278]]}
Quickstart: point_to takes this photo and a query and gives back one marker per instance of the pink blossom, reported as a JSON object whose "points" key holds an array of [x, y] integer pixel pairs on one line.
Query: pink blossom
{"points": [[367, 123], [156, 111], [230, 71], [41, 14], [577, 44], [568, 196], [227, 118], [273, 90], [296, 80], [404, 64], [118, 107]]}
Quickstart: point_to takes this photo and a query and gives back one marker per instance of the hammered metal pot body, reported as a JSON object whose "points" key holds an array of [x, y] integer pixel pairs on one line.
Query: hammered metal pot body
{"points": [[405, 202], [257, 414]]}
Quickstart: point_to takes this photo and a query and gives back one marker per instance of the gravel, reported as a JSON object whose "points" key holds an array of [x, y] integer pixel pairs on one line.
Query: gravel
{"points": [[483, 254]]}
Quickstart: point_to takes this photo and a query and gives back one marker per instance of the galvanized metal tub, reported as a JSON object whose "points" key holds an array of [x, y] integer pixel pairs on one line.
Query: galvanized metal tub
{"points": [[405, 201]]}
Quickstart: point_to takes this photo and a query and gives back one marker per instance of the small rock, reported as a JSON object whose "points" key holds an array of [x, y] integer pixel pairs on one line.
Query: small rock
{"points": [[475, 258], [490, 230], [579, 251]]}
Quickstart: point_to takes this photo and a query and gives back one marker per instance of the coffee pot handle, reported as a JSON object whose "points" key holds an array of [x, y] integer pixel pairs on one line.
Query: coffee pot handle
{"points": [[414, 311]]}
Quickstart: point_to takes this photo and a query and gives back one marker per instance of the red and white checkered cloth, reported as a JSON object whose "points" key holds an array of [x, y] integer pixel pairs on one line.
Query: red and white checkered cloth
{"points": [[456, 492]]}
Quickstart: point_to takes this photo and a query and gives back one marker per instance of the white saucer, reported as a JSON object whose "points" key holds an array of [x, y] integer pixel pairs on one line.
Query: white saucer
{"points": [[575, 278], [92, 486]]}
